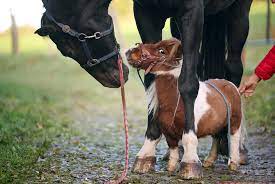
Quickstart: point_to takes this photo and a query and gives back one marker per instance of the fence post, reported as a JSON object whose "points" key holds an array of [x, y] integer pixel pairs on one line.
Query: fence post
{"points": [[14, 34], [268, 16]]}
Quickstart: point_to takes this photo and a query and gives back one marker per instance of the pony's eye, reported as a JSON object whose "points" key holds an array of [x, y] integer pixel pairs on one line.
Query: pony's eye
{"points": [[161, 51]]}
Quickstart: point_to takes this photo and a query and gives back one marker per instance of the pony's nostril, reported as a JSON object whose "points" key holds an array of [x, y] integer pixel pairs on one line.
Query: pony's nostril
{"points": [[144, 56]]}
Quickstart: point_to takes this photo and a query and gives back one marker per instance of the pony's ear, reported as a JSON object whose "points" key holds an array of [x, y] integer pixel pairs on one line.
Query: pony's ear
{"points": [[45, 31], [176, 50]]}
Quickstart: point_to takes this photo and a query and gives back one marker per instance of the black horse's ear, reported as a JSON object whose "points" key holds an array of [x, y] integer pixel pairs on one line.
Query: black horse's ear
{"points": [[44, 31]]}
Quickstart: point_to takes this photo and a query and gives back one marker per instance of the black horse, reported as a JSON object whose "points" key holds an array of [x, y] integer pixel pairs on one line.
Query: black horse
{"points": [[207, 29], [213, 34]]}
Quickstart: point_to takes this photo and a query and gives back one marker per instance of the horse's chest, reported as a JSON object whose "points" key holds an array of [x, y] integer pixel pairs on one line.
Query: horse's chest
{"points": [[160, 4]]}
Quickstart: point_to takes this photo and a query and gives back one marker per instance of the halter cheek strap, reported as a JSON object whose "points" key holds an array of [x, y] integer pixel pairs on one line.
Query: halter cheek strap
{"points": [[151, 66], [82, 37]]}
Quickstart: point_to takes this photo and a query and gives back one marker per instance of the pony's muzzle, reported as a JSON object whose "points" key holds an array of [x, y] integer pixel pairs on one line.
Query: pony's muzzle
{"points": [[133, 57]]}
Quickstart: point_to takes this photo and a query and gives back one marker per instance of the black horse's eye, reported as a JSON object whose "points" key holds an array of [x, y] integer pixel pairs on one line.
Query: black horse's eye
{"points": [[161, 51]]}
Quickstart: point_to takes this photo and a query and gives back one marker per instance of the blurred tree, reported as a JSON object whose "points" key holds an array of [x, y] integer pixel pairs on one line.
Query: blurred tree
{"points": [[123, 8], [14, 34]]}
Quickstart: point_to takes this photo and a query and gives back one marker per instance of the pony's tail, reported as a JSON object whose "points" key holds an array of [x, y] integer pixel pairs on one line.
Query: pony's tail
{"points": [[213, 49], [243, 137]]}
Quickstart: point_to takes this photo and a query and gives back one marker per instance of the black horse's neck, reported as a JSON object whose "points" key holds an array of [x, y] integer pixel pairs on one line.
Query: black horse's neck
{"points": [[76, 8], [80, 14]]}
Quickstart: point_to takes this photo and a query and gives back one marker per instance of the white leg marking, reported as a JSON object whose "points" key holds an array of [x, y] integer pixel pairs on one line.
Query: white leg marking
{"points": [[212, 156], [243, 135], [149, 148], [180, 143], [174, 155], [173, 159], [152, 98], [201, 104], [234, 147], [190, 144]]}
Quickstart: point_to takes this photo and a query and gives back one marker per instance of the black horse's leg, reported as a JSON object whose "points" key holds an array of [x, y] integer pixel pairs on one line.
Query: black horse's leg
{"points": [[238, 26], [150, 27], [191, 34], [174, 27]]}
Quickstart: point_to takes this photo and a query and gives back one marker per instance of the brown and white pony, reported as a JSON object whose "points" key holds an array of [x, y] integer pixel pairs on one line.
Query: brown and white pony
{"points": [[164, 60]]}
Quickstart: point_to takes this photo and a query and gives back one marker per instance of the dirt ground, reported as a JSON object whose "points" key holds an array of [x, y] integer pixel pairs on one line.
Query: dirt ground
{"points": [[97, 155]]}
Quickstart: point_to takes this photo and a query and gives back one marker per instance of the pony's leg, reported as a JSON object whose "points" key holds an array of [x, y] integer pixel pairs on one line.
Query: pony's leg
{"points": [[173, 154], [213, 154], [146, 159], [167, 154], [173, 159], [150, 27], [191, 34], [234, 154]]}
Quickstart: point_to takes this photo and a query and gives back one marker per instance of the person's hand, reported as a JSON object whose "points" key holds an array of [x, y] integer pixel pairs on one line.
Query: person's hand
{"points": [[248, 87]]}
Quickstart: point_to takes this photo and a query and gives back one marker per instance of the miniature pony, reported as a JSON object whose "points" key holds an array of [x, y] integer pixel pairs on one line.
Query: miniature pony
{"points": [[164, 60]]}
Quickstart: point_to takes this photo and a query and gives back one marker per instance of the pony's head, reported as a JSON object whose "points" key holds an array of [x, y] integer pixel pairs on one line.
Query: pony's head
{"points": [[91, 20], [163, 56]]}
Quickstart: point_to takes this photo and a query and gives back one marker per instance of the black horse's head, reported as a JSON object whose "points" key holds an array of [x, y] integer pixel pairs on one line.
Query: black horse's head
{"points": [[90, 18]]}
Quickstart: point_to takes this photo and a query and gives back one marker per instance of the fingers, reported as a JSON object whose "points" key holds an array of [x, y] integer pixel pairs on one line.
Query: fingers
{"points": [[242, 88], [246, 89], [248, 94]]}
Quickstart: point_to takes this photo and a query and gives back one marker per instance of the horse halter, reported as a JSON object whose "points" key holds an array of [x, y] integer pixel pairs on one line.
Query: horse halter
{"points": [[82, 37]]}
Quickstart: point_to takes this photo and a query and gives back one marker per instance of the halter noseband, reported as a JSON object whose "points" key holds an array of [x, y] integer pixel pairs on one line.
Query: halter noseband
{"points": [[82, 37]]}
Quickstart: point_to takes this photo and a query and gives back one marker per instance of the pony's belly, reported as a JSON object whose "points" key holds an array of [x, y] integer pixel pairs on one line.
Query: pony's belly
{"points": [[210, 127]]}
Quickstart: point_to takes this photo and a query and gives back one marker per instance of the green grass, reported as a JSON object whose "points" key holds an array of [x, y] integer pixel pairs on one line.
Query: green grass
{"points": [[39, 88], [28, 124], [259, 109]]}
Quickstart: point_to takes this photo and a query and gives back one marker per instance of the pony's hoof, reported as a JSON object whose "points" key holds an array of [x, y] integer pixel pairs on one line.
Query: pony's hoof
{"points": [[144, 165], [243, 156], [233, 166], [207, 164], [171, 167], [190, 170]]}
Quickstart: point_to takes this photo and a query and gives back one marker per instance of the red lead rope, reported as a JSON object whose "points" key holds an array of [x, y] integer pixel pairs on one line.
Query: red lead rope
{"points": [[125, 122]]}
